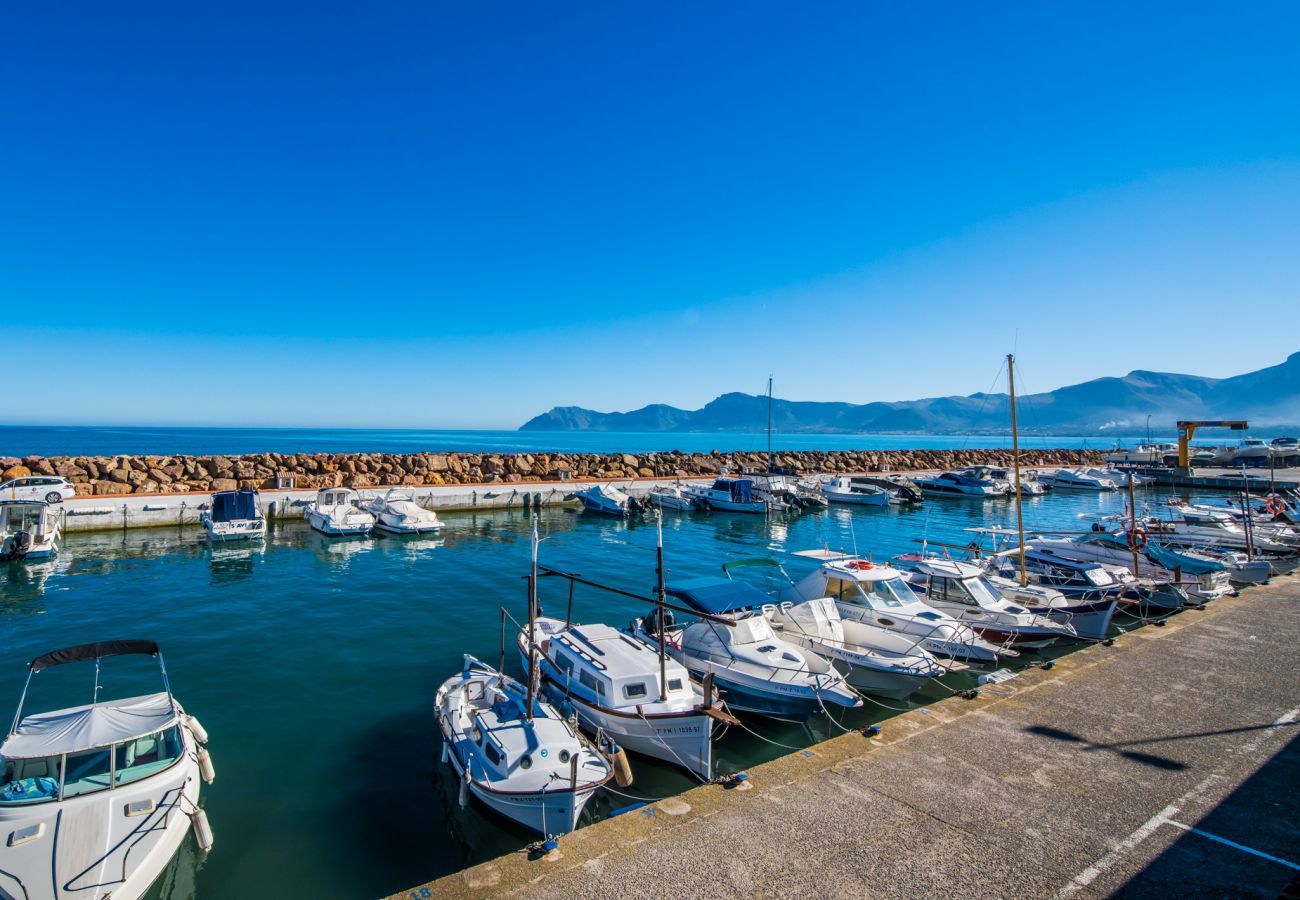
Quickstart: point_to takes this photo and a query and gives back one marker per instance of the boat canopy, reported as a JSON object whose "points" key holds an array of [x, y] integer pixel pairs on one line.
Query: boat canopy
{"points": [[715, 596], [97, 650], [740, 489], [230, 506], [88, 727], [752, 561], [1189, 564]]}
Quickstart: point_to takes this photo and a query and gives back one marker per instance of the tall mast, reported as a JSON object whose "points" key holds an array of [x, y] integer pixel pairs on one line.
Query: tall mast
{"points": [[661, 592], [532, 621], [1015, 460], [769, 423]]}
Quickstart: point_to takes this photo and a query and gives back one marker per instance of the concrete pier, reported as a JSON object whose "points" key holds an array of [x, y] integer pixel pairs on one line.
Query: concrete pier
{"points": [[1165, 764]]}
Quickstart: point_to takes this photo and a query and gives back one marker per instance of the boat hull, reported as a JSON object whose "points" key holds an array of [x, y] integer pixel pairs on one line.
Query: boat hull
{"points": [[879, 682], [1090, 619]]}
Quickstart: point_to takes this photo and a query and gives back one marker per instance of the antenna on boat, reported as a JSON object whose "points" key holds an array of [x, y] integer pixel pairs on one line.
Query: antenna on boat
{"points": [[532, 623], [769, 423], [1015, 461], [661, 591]]}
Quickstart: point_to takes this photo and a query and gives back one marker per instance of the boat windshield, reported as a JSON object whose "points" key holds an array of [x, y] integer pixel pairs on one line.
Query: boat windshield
{"points": [[40, 779], [890, 593], [983, 592]]}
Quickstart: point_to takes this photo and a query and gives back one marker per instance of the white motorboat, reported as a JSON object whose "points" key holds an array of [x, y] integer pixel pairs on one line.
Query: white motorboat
{"points": [[607, 500], [671, 496], [1090, 619], [730, 495], [28, 530], [971, 482], [336, 511], [879, 595], [1077, 480], [961, 590], [1150, 453], [872, 659], [234, 516], [1247, 452], [809, 492], [843, 489], [510, 748], [515, 752], [95, 800], [1120, 478], [1201, 579], [1030, 486], [1207, 528], [612, 682], [734, 645], [396, 512]]}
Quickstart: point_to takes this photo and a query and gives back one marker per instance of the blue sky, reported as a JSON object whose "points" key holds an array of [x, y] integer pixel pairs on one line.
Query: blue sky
{"points": [[458, 215]]}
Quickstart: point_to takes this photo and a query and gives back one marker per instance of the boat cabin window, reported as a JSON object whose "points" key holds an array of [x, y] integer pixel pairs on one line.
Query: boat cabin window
{"points": [[633, 691], [144, 756], [951, 590], [981, 590], [30, 780], [674, 684], [86, 772], [1098, 576], [887, 592], [493, 756], [564, 662], [590, 681]]}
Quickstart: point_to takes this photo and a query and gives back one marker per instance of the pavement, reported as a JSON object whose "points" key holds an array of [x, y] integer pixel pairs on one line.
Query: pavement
{"points": [[1164, 765]]}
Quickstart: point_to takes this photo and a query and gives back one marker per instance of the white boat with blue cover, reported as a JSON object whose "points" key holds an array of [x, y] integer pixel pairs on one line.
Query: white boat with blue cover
{"points": [[754, 669], [234, 516], [95, 800], [731, 495], [28, 531]]}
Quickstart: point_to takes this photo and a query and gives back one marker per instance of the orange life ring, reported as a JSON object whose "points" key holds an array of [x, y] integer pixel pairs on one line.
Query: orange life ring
{"points": [[1137, 539], [861, 564], [1275, 505]]}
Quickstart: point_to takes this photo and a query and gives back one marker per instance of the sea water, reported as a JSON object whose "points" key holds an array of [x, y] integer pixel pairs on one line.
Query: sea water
{"points": [[312, 662]]}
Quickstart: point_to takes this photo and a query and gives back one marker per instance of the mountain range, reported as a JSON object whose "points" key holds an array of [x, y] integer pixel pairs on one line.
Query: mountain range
{"points": [[1267, 397]]}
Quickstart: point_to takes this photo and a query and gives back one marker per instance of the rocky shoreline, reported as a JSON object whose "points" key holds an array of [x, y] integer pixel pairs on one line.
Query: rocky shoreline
{"points": [[108, 475]]}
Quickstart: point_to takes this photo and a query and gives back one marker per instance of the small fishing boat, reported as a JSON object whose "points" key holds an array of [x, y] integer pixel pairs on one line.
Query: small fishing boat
{"points": [[1077, 480], [1203, 580], [961, 590], [731, 495], [1088, 581], [396, 512], [843, 489], [28, 531], [510, 748], [671, 496], [607, 500], [95, 800], [336, 511], [234, 516], [879, 595], [963, 483], [755, 670]]}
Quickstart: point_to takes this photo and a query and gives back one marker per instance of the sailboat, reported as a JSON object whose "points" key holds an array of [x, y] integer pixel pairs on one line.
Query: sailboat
{"points": [[778, 488], [513, 750]]}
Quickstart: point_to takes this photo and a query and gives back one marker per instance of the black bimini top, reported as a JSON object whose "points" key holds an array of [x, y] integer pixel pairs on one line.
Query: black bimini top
{"points": [[97, 650]]}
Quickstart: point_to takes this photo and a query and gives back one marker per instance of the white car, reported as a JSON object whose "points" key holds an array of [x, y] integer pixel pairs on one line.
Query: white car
{"points": [[50, 488]]}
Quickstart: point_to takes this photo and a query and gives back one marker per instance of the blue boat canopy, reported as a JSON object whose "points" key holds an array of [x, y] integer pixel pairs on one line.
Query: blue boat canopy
{"points": [[1061, 561], [715, 596], [740, 489], [1189, 564], [229, 506]]}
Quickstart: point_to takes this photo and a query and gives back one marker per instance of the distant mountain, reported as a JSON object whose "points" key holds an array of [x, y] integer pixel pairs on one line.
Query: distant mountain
{"points": [[1268, 397]]}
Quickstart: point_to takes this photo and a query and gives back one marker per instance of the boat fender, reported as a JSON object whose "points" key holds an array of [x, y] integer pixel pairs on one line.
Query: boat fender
{"points": [[446, 752], [463, 799], [622, 768], [196, 729], [206, 769], [202, 829]]}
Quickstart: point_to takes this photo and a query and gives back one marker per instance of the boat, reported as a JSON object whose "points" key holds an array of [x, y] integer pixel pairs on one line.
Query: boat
{"points": [[234, 516], [970, 482], [961, 590], [511, 749], [336, 511], [1082, 582], [843, 489], [730, 495], [1077, 480], [671, 496], [1120, 478], [96, 800], [755, 670], [28, 531], [1285, 451], [1246, 452], [396, 512], [1030, 486], [1210, 528], [901, 490], [879, 595], [1202, 579], [1151, 453], [1090, 619], [607, 500]]}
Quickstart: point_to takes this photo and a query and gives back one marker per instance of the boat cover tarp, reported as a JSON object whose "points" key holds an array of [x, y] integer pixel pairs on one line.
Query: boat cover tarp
{"points": [[97, 650], [715, 596], [1189, 564], [760, 561], [231, 506], [740, 489], [87, 727]]}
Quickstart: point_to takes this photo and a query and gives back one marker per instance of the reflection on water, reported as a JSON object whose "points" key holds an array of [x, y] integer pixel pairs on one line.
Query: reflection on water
{"points": [[312, 662]]}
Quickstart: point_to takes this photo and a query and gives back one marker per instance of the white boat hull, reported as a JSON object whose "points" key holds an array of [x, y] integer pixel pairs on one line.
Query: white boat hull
{"points": [[683, 740]]}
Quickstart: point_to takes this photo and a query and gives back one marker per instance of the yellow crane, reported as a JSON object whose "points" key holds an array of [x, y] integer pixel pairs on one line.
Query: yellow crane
{"points": [[1187, 429]]}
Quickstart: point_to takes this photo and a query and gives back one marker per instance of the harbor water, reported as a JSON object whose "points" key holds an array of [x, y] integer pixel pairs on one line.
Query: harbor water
{"points": [[312, 662]]}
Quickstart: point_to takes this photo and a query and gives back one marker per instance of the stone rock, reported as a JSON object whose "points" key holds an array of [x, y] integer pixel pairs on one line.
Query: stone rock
{"points": [[18, 470], [223, 484], [101, 487]]}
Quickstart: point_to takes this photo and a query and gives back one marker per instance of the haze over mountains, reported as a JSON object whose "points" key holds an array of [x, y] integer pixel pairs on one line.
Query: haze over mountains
{"points": [[1267, 397]]}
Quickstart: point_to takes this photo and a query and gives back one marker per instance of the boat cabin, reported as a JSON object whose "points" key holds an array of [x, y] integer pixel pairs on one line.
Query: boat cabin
{"points": [[235, 506], [335, 497], [612, 669], [738, 490]]}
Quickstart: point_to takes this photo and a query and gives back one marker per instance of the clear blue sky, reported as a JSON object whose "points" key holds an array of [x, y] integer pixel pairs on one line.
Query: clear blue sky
{"points": [[458, 215]]}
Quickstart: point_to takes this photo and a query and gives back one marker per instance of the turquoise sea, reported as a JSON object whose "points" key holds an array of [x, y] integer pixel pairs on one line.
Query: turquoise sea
{"points": [[313, 662], [58, 440]]}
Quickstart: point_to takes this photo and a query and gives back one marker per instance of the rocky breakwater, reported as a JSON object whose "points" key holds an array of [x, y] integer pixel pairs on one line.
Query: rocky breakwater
{"points": [[102, 475]]}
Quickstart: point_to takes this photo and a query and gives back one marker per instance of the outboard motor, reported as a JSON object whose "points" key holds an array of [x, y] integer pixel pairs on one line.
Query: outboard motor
{"points": [[19, 546], [634, 505], [656, 627]]}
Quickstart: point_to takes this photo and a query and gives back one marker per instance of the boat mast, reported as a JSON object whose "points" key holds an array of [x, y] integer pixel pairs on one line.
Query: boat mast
{"points": [[660, 593], [532, 622], [769, 423], [1015, 462]]}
